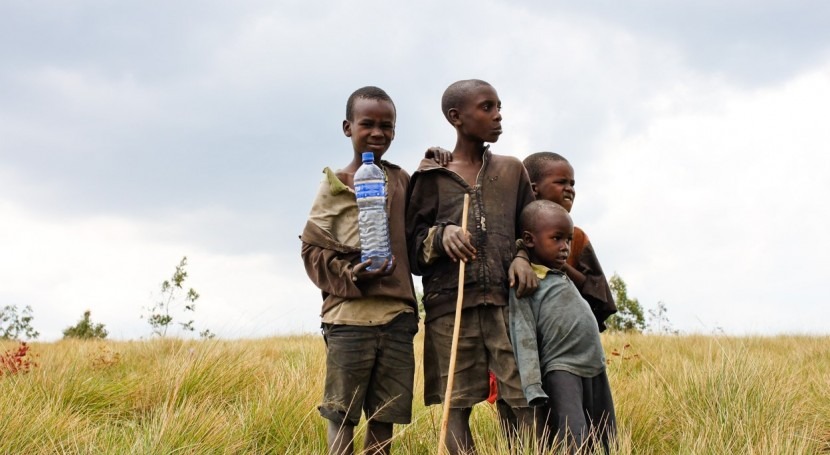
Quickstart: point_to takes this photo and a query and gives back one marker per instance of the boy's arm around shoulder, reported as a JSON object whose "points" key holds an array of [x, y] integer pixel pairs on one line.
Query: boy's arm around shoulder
{"points": [[328, 263], [526, 348]]}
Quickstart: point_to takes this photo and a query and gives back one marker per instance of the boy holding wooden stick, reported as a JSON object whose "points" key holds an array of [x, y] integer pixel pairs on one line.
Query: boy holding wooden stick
{"points": [[499, 189]]}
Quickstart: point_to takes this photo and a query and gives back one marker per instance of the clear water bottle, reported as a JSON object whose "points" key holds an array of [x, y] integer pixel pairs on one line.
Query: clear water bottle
{"points": [[372, 221]]}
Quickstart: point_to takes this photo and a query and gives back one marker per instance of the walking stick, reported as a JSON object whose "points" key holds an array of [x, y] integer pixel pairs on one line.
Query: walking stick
{"points": [[442, 448]]}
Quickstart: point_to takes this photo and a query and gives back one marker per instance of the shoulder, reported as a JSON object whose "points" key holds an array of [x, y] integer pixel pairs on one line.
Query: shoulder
{"points": [[509, 165], [581, 236], [395, 172], [506, 160]]}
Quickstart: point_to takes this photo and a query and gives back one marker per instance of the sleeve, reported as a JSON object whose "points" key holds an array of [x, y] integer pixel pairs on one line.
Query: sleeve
{"points": [[331, 271], [421, 209], [595, 289], [431, 250], [524, 196], [525, 348]]}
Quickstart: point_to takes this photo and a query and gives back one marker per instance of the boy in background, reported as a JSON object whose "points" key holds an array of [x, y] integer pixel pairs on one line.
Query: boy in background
{"points": [[556, 341], [369, 318], [552, 179], [499, 188]]}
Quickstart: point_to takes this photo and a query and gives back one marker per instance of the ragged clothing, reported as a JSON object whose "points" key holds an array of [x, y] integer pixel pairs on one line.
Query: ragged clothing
{"points": [[331, 248], [553, 329], [435, 200]]}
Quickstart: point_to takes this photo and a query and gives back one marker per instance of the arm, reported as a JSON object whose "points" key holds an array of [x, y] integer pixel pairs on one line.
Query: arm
{"points": [[520, 273], [331, 271], [428, 237], [593, 286], [525, 348]]}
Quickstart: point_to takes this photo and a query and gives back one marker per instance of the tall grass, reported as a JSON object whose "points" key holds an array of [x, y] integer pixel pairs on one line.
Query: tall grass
{"points": [[674, 394]]}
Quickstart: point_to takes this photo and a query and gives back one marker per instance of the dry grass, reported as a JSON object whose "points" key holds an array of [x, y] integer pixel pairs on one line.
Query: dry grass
{"points": [[674, 394]]}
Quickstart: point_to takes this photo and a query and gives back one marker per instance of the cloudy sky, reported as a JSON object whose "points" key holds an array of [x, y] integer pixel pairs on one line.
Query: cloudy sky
{"points": [[134, 133]]}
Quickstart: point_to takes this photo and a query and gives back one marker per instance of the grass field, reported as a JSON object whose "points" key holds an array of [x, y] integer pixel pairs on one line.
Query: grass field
{"points": [[674, 394]]}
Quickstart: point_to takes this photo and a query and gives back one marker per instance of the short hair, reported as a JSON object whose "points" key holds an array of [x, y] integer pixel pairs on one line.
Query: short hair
{"points": [[533, 163], [456, 94], [534, 211], [369, 92]]}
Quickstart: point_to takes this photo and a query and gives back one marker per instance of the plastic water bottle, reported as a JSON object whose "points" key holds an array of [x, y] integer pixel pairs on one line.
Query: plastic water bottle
{"points": [[372, 221]]}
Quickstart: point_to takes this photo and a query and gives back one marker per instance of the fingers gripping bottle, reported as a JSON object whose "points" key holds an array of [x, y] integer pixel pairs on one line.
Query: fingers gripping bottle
{"points": [[372, 221]]}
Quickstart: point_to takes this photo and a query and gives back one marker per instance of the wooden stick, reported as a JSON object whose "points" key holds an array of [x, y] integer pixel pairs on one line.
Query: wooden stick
{"points": [[442, 448]]}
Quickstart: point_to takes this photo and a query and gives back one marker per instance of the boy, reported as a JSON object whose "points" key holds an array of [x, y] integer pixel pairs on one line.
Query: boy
{"points": [[556, 340], [499, 188], [369, 318], [552, 179]]}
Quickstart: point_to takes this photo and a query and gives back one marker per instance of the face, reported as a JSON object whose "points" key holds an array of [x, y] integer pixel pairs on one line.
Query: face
{"points": [[480, 116], [556, 184], [550, 242], [373, 126]]}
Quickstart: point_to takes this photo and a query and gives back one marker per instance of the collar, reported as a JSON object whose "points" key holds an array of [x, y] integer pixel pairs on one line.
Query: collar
{"points": [[542, 271]]}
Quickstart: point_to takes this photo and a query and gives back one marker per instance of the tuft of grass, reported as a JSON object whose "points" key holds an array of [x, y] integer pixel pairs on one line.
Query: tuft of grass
{"points": [[673, 394]]}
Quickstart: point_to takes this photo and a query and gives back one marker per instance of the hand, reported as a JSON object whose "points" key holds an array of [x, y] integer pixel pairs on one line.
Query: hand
{"points": [[522, 277], [441, 156], [457, 243], [360, 273]]}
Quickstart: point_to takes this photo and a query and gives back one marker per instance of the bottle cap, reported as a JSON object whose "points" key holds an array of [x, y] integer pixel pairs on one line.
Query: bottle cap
{"points": [[368, 157]]}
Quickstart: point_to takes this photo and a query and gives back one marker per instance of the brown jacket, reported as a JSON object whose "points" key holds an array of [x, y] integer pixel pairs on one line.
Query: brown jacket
{"points": [[436, 195], [328, 261]]}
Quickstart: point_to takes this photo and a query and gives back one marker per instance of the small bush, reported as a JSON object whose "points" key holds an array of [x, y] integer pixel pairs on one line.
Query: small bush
{"points": [[85, 329], [13, 325]]}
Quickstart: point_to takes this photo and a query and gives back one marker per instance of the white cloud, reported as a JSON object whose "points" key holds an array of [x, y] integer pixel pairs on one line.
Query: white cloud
{"points": [[114, 267], [715, 208]]}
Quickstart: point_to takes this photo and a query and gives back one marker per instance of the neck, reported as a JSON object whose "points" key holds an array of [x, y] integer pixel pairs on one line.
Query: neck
{"points": [[468, 150]]}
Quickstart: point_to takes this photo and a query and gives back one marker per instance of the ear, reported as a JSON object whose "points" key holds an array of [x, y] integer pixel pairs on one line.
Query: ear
{"points": [[535, 191], [347, 128], [528, 240], [454, 116]]}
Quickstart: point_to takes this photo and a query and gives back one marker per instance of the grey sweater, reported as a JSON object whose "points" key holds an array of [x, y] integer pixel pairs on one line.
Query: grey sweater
{"points": [[553, 329]]}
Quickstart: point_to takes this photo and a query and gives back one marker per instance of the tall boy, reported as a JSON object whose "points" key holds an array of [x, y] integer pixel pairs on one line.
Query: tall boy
{"points": [[552, 179], [556, 340], [499, 188], [369, 318]]}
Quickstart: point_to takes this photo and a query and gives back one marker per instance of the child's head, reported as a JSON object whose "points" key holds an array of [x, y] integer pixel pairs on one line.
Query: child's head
{"points": [[370, 121], [547, 231], [552, 178], [473, 107]]}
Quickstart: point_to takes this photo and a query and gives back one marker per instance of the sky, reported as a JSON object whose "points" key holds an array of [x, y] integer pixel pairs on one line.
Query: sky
{"points": [[135, 133]]}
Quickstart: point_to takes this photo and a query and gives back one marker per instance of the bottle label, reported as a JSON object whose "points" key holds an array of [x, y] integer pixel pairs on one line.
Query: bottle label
{"points": [[371, 188]]}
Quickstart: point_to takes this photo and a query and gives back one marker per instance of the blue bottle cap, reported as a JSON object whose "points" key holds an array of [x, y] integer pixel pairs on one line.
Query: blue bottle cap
{"points": [[368, 157]]}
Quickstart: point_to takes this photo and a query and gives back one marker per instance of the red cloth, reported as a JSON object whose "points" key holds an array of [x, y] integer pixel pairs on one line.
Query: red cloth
{"points": [[494, 389]]}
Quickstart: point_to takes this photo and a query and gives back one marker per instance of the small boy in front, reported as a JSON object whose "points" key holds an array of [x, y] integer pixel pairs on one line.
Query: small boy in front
{"points": [[556, 340], [499, 188], [369, 318], [552, 179]]}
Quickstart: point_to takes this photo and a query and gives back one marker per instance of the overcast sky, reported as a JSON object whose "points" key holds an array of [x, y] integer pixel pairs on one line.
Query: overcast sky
{"points": [[134, 133]]}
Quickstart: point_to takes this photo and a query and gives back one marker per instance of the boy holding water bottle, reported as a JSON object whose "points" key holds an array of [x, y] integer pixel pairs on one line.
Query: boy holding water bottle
{"points": [[369, 317]]}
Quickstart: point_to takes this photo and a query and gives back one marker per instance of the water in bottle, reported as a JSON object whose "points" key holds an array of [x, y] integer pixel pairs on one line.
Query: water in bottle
{"points": [[372, 222]]}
